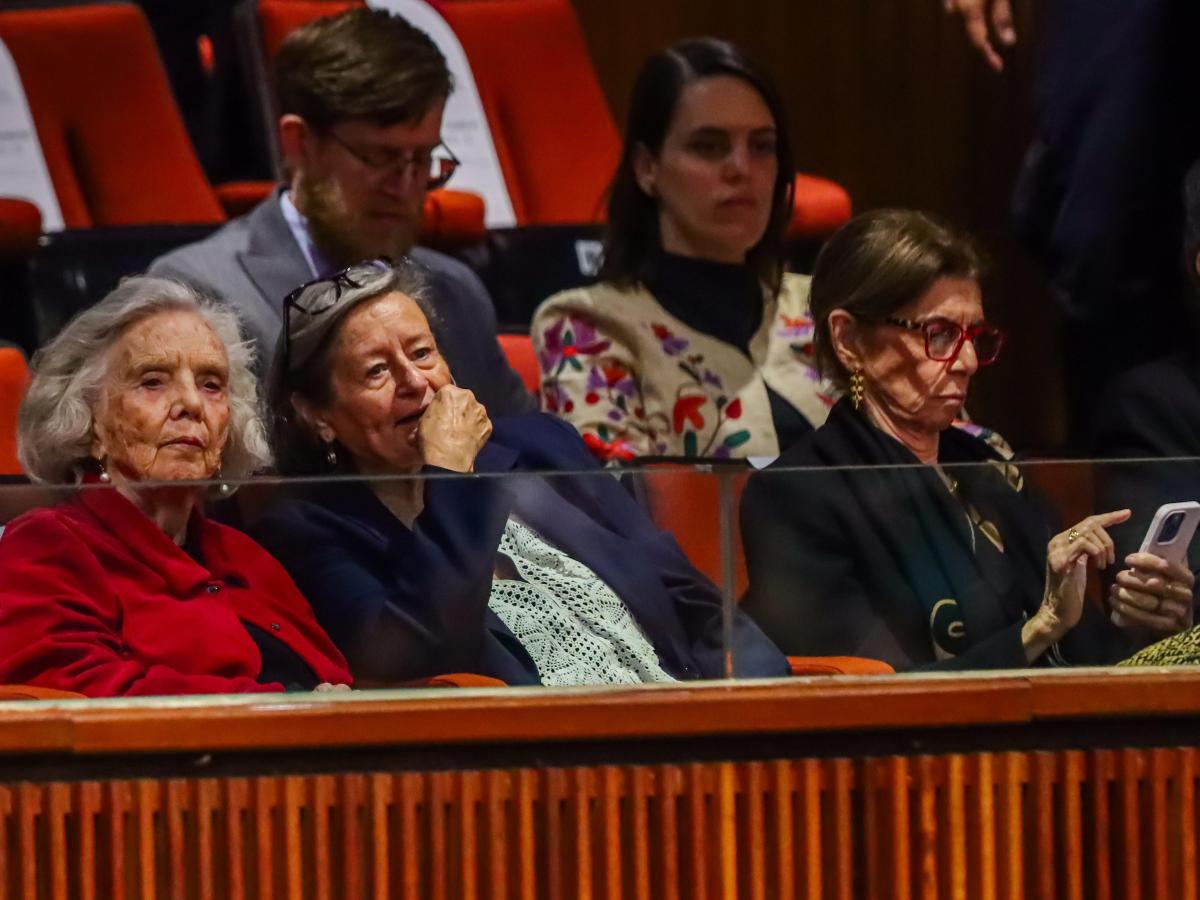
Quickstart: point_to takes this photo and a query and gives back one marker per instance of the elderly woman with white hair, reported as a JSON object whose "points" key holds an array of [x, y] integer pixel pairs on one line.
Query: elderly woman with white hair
{"points": [[131, 590]]}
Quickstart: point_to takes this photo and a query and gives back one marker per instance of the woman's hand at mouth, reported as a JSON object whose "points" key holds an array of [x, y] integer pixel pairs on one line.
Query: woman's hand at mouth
{"points": [[453, 430]]}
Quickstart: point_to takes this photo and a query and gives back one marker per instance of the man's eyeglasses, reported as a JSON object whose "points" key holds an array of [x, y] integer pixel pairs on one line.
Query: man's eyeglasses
{"points": [[315, 303], [437, 164], [944, 338]]}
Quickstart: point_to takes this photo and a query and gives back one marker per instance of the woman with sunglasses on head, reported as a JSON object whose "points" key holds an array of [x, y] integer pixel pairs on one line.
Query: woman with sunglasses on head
{"points": [[560, 580], [878, 542], [695, 342]]}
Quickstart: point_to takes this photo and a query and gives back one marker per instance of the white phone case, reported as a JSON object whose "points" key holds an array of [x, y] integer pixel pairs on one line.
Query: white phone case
{"points": [[1175, 548]]}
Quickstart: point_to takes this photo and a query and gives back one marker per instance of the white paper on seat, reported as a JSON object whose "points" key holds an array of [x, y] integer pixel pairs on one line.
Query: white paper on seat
{"points": [[464, 125], [23, 171]]}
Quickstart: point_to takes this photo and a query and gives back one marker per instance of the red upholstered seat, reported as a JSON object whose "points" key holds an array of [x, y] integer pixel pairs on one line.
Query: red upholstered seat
{"points": [[687, 503], [550, 123], [113, 139], [838, 665], [822, 207], [31, 692], [20, 228], [279, 18], [518, 348], [14, 378]]}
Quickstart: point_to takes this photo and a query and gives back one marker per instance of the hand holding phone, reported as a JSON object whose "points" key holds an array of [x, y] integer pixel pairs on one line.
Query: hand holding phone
{"points": [[1169, 536]]}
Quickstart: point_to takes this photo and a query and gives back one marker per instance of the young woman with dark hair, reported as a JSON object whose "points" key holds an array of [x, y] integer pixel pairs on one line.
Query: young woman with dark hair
{"points": [[695, 342]]}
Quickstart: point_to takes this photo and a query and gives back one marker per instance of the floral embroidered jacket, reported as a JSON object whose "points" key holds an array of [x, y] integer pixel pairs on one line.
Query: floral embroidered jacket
{"points": [[635, 380]]}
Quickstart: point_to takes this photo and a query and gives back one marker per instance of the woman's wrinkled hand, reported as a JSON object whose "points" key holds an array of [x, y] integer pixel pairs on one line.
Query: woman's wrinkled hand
{"points": [[1068, 556], [988, 23], [326, 687], [1154, 594], [453, 430]]}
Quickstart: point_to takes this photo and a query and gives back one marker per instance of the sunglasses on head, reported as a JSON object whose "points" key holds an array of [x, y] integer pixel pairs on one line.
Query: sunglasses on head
{"points": [[322, 301]]}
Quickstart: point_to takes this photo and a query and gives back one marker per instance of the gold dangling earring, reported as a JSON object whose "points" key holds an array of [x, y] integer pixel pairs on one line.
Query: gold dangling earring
{"points": [[857, 383], [104, 477]]}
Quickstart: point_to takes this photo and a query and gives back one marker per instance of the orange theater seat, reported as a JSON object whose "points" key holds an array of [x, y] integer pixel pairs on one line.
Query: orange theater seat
{"points": [[32, 692], [279, 18], [687, 503], [14, 378], [20, 228], [821, 208], [112, 136], [518, 348], [550, 123], [838, 665]]}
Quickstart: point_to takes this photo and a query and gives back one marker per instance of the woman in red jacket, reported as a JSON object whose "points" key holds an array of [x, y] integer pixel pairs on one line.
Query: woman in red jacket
{"points": [[126, 588]]}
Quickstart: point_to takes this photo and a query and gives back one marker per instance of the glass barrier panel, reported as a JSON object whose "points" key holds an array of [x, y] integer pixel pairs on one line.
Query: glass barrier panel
{"points": [[505, 579], [645, 575], [968, 567]]}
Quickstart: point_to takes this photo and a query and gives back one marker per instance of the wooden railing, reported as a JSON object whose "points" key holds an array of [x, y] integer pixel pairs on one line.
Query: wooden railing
{"points": [[1054, 786]]}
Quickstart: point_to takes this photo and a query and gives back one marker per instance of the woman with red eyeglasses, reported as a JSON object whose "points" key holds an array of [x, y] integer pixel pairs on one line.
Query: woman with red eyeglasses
{"points": [[891, 534]]}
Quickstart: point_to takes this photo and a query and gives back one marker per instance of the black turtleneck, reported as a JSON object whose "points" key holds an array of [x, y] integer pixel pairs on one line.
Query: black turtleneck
{"points": [[724, 301]]}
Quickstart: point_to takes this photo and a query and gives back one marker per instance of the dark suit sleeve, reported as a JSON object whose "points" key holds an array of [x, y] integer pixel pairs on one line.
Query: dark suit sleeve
{"points": [[808, 594], [695, 600], [698, 603], [421, 610]]}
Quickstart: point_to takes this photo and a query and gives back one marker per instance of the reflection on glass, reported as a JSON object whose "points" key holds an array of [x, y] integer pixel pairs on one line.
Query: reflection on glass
{"points": [[930, 569]]}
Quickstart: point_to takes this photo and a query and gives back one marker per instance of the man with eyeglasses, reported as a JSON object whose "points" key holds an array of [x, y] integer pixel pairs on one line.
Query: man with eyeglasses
{"points": [[361, 97]]}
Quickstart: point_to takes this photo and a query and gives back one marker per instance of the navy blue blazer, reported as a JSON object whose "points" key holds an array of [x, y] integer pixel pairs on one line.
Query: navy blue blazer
{"points": [[403, 604]]}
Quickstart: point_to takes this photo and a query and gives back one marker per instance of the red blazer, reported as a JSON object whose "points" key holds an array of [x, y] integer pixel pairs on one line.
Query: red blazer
{"points": [[96, 598]]}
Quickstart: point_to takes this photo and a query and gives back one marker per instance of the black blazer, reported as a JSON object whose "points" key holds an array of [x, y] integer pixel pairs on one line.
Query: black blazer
{"points": [[403, 604], [1151, 411], [878, 561]]}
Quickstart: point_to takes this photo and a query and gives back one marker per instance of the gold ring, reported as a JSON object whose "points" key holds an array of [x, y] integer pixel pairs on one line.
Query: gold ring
{"points": [[1072, 536]]}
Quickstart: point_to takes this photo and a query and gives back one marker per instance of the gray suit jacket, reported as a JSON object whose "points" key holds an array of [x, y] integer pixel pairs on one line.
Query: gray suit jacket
{"points": [[253, 262]]}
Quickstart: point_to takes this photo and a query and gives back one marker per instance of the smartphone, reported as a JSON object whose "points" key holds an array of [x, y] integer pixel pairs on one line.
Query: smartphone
{"points": [[1169, 535]]}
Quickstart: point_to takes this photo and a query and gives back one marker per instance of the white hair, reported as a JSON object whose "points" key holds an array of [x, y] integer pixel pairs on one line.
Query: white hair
{"points": [[56, 425]]}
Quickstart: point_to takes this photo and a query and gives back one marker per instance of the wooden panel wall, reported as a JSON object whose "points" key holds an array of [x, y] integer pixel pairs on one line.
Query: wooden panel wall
{"points": [[886, 97], [1062, 824]]}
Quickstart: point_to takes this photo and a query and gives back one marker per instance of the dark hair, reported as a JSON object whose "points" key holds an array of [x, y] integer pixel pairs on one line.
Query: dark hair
{"points": [[632, 237], [362, 64], [878, 263], [1191, 225], [307, 367]]}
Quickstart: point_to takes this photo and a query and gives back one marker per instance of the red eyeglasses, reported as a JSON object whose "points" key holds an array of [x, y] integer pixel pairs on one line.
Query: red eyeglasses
{"points": [[944, 338]]}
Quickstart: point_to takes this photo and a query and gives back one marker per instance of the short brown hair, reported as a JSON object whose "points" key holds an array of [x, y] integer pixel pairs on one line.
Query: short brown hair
{"points": [[362, 64], [878, 263]]}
